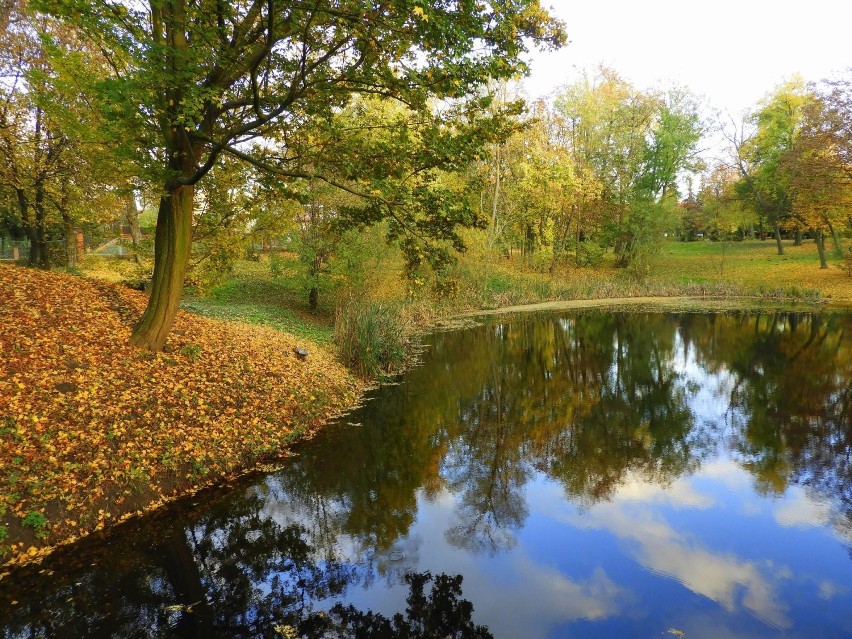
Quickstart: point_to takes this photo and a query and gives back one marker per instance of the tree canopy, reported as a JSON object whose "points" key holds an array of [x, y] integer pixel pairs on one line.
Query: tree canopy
{"points": [[192, 81]]}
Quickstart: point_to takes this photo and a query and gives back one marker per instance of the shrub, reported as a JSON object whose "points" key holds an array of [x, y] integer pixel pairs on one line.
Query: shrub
{"points": [[372, 337]]}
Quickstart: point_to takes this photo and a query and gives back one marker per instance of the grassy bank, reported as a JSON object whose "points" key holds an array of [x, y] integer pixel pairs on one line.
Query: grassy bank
{"points": [[745, 270], [94, 432]]}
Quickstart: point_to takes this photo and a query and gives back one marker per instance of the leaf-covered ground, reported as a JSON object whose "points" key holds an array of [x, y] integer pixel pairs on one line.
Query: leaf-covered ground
{"points": [[93, 431]]}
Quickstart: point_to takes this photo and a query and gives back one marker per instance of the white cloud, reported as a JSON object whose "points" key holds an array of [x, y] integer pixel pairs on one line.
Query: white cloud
{"points": [[679, 494], [800, 511], [828, 590], [543, 594], [722, 577]]}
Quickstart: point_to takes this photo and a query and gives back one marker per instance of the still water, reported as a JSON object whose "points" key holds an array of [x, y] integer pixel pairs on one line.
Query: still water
{"points": [[589, 475]]}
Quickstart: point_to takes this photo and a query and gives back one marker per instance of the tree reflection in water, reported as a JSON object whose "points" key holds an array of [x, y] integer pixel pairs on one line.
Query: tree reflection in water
{"points": [[227, 575], [590, 400]]}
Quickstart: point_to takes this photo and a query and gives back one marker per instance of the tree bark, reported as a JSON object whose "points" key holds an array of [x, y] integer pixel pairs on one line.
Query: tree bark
{"points": [[835, 240], [172, 244], [798, 239], [29, 229], [39, 230], [495, 202], [70, 244], [820, 242], [777, 229], [131, 215]]}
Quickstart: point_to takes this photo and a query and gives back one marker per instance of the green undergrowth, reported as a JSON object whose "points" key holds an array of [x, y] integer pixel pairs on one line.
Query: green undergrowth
{"points": [[375, 339], [283, 319], [252, 294]]}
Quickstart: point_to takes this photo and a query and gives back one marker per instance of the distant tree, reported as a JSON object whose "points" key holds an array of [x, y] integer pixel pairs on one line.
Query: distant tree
{"points": [[197, 80], [31, 146], [758, 147], [59, 179], [636, 145], [820, 164]]}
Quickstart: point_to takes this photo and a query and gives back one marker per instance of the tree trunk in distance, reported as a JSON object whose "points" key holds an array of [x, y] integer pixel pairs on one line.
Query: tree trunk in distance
{"points": [[820, 242], [40, 236], [29, 229], [172, 244], [131, 215], [835, 241], [70, 245], [778, 238]]}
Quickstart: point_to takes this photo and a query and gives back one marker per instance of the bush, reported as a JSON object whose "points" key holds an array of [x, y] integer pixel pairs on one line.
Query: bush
{"points": [[372, 337]]}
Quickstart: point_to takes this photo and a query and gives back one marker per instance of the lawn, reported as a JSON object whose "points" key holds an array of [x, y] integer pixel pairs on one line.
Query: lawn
{"points": [[754, 265], [254, 294]]}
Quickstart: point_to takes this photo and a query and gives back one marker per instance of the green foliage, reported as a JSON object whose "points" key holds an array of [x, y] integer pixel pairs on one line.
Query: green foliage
{"points": [[598, 170], [759, 153], [37, 521], [199, 81], [192, 351], [373, 338]]}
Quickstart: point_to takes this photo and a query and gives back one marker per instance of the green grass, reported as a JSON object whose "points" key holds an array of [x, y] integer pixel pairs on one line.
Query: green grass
{"points": [[253, 295], [754, 266], [733, 270], [274, 294], [274, 316]]}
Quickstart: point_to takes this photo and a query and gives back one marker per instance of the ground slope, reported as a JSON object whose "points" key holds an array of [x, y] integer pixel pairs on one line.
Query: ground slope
{"points": [[93, 431]]}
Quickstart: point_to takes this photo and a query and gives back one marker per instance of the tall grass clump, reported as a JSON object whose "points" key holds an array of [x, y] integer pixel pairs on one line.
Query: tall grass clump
{"points": [[372, 337]]}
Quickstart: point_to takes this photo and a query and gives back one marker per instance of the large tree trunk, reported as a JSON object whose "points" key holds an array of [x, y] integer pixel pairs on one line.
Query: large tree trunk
{"points": [[172, 244], [777, 229]]}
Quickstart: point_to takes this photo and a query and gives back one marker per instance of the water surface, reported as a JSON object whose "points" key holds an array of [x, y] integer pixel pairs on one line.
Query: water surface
{"points": [[588, 474]]}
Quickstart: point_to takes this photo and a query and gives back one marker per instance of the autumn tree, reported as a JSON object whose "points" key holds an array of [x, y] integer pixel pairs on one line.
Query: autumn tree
{"points": [[195, 80], [819, 164], [30, 146], [58, 177], [758, 147], [636, 145]]}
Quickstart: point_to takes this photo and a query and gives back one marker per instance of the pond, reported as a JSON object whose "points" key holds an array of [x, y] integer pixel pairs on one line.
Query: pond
{"points": [[593, 474]]}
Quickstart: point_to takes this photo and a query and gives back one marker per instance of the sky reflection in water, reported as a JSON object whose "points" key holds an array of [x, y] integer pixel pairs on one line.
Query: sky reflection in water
{"points": [[589, 475]]}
